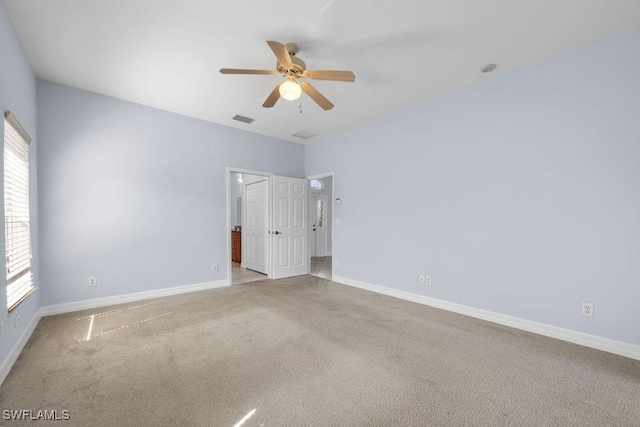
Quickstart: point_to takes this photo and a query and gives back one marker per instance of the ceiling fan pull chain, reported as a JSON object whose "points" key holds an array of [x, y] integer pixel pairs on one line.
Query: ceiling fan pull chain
{"points": [[300, 106]]}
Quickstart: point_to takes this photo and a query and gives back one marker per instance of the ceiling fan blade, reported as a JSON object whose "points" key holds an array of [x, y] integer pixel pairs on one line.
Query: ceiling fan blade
{"points": [[241, 71], [281, 53], [341, 76], [273, 97], [313, 93]]}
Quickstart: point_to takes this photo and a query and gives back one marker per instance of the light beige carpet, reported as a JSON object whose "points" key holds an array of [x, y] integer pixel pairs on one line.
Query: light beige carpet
{"points": [[306, 351]]}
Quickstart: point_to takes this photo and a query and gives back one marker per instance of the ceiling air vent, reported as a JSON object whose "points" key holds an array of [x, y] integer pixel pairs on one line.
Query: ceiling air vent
{"points": [[242, 119], [304, 134]]}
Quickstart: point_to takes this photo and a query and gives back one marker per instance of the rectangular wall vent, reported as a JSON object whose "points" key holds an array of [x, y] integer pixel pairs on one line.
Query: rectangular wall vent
{"points": [[242, 119], [304, 134]]}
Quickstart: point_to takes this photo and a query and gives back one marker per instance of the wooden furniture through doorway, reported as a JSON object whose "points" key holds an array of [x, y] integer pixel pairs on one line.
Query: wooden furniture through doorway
{"points": [[236, 246]]}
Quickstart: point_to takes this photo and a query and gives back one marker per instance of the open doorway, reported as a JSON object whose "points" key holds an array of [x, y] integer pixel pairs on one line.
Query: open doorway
{"points": [[248, 196], [283, 219], [321, 213]]}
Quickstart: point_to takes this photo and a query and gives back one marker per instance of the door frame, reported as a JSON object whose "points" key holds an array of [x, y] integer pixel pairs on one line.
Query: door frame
{"points": [[230, 170], [333, 212]]}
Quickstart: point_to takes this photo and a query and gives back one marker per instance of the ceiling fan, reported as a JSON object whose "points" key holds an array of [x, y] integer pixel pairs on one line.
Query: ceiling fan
{"points": [[293, 69]]}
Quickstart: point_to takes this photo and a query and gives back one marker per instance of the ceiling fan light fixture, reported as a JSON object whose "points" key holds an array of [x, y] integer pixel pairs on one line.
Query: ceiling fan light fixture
{"points": [[290, 90]]}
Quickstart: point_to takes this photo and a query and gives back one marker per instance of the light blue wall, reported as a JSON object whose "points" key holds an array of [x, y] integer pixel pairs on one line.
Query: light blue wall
{"points": [[18, 94], [519, 196], [137, 196]]}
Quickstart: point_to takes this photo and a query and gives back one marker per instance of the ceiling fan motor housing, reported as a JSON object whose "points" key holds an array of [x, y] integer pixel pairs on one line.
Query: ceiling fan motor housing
{"points": [[298, 64]]}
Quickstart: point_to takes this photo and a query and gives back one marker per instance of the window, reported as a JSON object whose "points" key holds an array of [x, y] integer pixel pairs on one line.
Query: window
{"points": [[320, 212], [317, 185], [16, 212]]}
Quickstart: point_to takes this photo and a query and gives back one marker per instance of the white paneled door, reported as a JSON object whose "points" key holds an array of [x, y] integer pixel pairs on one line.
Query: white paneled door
{"points": [[256, 239], [290, 227]]}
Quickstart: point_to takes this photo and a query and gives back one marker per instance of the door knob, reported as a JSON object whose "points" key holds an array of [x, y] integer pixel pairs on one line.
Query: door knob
{"points": [[277, 232]]}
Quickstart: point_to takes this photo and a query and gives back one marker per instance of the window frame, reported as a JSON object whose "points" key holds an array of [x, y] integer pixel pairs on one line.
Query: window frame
{"points": [[17, 146]]}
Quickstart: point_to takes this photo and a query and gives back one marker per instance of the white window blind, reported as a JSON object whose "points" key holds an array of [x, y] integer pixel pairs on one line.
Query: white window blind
{"points": [[16, 212]]}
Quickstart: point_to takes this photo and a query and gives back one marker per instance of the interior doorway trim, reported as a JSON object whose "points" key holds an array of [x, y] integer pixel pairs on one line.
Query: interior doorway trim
{"points": [[230, 170], [320, 176]]}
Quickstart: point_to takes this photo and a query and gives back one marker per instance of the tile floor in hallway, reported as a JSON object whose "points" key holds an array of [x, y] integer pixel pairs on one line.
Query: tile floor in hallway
{"points": [[321, 267], [242, 275]]}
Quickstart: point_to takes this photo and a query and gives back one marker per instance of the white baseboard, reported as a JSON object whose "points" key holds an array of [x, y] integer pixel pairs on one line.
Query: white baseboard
{"points": [[125, 298], [17, 348], [605, 344], [95, 303]]}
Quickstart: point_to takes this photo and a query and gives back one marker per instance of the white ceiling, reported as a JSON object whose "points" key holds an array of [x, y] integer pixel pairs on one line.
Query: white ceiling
{"points": [[166, 54]]}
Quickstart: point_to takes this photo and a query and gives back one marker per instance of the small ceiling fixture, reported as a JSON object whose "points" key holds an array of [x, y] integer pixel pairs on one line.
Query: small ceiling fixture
{"points": [[488, 68]]}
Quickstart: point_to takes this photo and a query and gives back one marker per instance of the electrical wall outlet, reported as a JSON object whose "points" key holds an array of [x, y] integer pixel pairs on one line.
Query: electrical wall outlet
{"points": [[336, 263], [424, 279], [93, 280], [16, 321], [587, 309], [214, 268]]}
